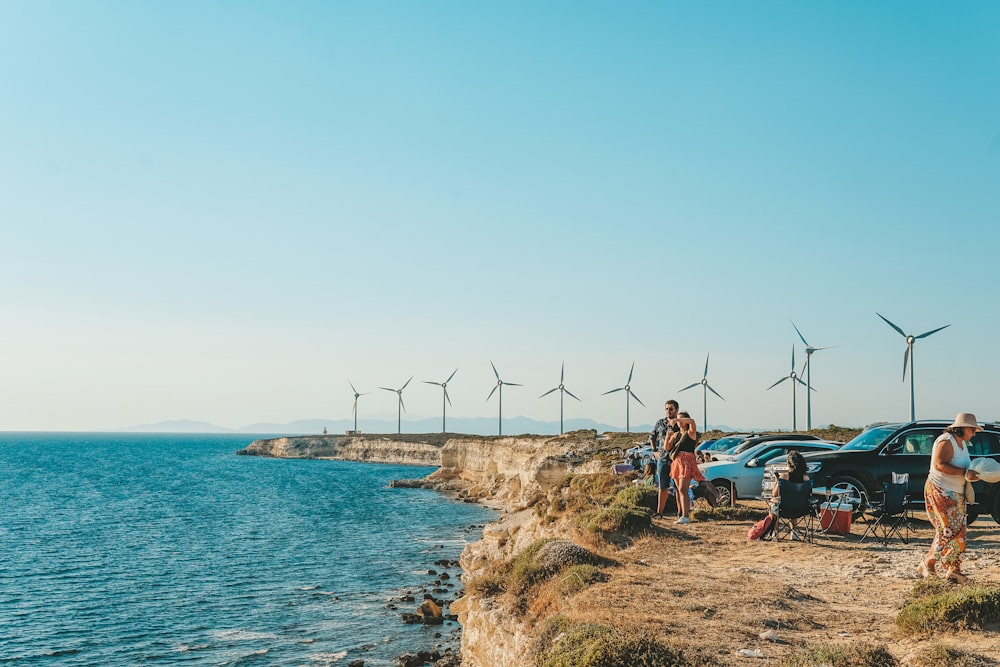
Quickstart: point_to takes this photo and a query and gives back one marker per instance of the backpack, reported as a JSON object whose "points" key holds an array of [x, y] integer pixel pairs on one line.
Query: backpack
{"points": [[762, 528]]}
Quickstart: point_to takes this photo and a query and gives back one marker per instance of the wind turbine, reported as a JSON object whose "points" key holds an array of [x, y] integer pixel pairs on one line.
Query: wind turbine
{"points": [[794, 378], [356, 396], [500, 385], [628, 392], [444, 388], [807, 369], [561, 389], [908, 356], [400, 407], [705, 388]]}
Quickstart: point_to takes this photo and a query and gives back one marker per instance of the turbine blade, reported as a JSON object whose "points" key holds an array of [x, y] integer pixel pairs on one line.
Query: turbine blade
{"points": [[352, 386], [925, 335], [513, 384], [491, 392], [451, 376], [446, 396], [705, 374], [431, 382], [355, 410], [800, 334], [406, 383], [776, 383], [495, 370], [898, 330], [689, 386], [612, 391], [799, 380], [906, 361], [636, 398], [387, 389], [793, 358], [714, 392], [630, 374], [401, 404], [570, 393], [562, 373], [549, 392]]}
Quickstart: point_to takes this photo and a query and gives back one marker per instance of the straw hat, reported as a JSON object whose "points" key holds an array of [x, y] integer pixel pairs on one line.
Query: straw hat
{"points": [[966, 420]]}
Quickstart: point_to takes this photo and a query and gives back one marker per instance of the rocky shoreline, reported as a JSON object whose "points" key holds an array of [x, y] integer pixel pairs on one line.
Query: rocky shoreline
{"points": [[505, 473]]}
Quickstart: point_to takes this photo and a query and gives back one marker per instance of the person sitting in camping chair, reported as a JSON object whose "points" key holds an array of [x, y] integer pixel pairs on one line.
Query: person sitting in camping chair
{"points": [[796, 475]]}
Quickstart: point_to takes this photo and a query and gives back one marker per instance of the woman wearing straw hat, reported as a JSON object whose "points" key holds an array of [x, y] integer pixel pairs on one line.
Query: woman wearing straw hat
{"points": [[944, 496]]}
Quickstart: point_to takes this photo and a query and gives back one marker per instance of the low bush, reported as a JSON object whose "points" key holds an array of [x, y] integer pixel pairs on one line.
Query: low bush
{"points": [[859, 654], [965, 608], [578, 577], [638, 496], [936, 654], [567, 644]]}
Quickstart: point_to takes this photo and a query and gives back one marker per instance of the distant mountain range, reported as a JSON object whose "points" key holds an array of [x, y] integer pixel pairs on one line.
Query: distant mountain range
{"points": [[474, 426]]}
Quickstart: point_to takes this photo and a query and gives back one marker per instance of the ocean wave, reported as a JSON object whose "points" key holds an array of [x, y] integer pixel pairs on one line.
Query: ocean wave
{"points": [[327, 658], [242, 635]]}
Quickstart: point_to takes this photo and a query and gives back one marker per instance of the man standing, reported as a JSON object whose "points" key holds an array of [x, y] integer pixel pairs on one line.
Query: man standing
{"points": [[657, 439]]}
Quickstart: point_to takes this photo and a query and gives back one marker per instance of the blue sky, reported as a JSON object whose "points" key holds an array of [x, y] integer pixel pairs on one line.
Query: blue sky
{"points": [[222, 211]]}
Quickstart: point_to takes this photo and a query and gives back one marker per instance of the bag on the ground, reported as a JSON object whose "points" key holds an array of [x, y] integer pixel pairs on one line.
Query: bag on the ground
{"points": [[762, 528]]}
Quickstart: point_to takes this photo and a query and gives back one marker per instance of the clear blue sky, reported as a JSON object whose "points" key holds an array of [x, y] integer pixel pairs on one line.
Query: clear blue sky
{"points": [[222, 211]]}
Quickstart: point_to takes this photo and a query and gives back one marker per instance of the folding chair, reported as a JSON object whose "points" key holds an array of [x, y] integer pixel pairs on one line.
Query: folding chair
{"points": [[795, 501], [891, 515]]}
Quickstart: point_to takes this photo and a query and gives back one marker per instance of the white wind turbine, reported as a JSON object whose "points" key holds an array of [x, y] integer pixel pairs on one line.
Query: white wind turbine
{"points": [[807, 369], [444, 389], [794, 378], [562, 390], [500, 385], [705, 388], [908, 356], [400, 407], [355, 409], [628, 393]]}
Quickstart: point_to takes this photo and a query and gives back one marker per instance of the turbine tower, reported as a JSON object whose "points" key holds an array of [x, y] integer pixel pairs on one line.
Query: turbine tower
{"points": [[908, 356], [355, 410], [400, 407], [499, 385], [807, 369], [628, 392], [794, 378], [562, 390], [444, 388], [705, 388]]}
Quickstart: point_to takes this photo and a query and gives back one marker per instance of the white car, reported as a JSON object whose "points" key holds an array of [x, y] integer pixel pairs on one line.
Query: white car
{"points": [[742, 476]]}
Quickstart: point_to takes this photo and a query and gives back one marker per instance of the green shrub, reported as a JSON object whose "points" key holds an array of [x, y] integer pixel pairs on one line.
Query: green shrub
{"points": [[578, 577], [738, 513], [542, 560], [617, 519], [566, 644], [637, 496], [936, 654], [965, 608], [859, 654]]}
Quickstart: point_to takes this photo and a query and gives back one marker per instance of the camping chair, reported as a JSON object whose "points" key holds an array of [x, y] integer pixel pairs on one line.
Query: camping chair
{"points": [[795, 501], [891, 515]]}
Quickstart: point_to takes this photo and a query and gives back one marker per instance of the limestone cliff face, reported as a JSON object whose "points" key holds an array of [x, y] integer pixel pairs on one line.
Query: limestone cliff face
{"points": [[503, 472], [413, 451]]}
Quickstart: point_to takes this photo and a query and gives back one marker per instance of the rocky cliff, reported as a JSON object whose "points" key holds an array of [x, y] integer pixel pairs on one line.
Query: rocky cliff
{"points": [[508, 473]]}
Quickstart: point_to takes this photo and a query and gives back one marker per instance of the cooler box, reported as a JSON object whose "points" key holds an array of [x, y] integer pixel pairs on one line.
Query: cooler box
{"points": [[835, 518]]}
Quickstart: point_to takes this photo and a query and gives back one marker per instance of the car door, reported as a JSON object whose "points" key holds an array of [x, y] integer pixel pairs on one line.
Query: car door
{"points": [[910, 453]]}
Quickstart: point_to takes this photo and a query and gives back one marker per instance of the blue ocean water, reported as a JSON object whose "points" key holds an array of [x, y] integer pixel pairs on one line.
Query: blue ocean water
{"points": [[125, 549]]}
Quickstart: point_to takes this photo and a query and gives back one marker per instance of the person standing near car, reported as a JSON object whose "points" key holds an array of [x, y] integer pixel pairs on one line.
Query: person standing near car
{"points": [[944, 497], [657, 439], [684, 467]]}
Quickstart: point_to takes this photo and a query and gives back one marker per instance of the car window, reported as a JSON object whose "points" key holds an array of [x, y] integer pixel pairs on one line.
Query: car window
{"points": [[869, 440], [984, 444], [918, 442]]}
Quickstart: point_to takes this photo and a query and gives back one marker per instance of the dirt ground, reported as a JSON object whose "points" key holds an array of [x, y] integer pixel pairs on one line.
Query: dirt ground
{"points": [[704, 585]]}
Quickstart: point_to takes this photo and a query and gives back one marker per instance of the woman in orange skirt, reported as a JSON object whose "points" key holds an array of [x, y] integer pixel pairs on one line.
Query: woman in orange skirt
{"points": [[685, 466]]}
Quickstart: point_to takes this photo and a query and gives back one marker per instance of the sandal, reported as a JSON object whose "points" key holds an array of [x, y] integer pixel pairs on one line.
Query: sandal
{"points": [[925, 571], [956, 576]]}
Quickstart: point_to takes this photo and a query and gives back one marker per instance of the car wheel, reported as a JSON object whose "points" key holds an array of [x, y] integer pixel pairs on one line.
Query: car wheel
{"points": [[725, 489], [858, 492]]}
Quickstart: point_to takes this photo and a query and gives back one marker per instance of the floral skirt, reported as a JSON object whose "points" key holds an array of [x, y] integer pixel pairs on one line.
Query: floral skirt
{"points": [[686, 466], [946, 510]]}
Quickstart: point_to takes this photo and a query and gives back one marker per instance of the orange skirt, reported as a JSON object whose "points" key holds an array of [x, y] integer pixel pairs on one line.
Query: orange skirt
{"points": [[686, 466]]}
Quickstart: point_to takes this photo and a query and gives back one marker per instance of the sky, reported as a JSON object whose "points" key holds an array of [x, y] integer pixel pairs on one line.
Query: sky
{"points": [[227, 211]]}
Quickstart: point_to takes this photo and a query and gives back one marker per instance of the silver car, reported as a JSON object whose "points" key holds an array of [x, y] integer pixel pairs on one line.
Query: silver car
{"points": [[742, 476]]}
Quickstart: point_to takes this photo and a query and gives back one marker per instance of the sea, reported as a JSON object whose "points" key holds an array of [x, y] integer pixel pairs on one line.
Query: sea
{"points": [[165, 549]]}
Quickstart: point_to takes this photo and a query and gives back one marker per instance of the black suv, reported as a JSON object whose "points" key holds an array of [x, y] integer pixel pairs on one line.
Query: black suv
{"points": [[882, 449]]}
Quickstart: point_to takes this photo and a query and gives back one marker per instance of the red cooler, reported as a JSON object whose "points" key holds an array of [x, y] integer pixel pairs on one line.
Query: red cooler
{"points": [[835, 518]]}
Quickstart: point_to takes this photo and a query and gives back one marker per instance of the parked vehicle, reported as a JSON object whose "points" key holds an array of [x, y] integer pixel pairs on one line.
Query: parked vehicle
{"points": [[867, 461], [757, 439], [741, 477], [710, 447]]}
